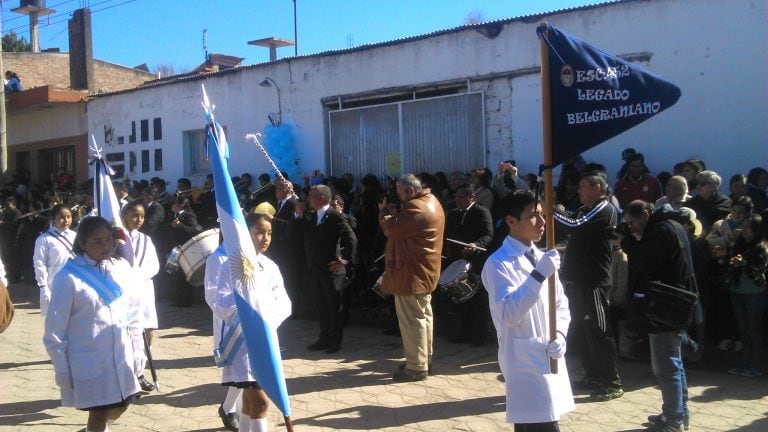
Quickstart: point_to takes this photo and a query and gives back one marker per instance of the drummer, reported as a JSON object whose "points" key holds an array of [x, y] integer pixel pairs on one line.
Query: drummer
{"points": [[472, 224], [183, 227]]}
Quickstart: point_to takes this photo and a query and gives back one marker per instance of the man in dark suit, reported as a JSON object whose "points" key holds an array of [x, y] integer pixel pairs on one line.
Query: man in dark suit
{"points": [[469, 223], [329, 245], [287, 249], [154, 216]]}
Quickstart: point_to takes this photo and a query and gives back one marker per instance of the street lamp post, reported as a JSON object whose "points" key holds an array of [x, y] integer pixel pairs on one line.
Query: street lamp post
{"points": [[275, 119]]}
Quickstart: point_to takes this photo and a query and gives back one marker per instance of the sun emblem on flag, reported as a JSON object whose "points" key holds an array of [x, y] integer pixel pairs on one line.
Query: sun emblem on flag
{"points": [[242, 268]]}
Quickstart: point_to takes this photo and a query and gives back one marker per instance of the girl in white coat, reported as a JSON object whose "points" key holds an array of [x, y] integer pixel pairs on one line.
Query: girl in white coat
{"points": [[145, 266], [237, 372], [52, 250], [86, 329]]}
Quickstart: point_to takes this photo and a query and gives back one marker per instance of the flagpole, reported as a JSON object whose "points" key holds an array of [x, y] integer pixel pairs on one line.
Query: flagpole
{"points": [[549, 192], [288, 424]]}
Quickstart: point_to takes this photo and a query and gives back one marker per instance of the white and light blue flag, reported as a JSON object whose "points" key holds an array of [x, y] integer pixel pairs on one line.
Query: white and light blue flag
{"points": [[258, 314]]}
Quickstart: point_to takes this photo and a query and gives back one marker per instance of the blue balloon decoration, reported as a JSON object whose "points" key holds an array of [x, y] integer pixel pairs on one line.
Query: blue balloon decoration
{"points": [[280, 144]]}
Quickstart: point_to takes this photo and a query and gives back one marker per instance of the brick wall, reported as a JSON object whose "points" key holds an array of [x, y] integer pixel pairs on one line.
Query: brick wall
{"points": [[39, 69]]}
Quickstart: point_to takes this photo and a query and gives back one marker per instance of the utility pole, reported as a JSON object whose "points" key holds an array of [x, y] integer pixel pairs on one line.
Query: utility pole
{"points": [[3, 131], [295, 32]]}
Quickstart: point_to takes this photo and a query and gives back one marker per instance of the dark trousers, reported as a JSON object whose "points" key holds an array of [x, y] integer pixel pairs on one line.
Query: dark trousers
{"points": [[473, 316], [326, 291], [537, 427], [594, 335]]}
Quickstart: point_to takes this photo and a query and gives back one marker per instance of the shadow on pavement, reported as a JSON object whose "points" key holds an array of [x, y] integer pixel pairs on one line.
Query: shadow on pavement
{"points": [[17, 413], [756, 426], [184, 363], [367, 417], [4, 366], [187, 397]]}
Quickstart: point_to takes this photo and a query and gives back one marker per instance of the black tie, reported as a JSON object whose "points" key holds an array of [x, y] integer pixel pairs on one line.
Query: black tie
{"points": [[531, 256]]}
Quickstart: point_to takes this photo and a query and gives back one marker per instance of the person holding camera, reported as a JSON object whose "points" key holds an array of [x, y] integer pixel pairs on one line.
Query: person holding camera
{"points": [[507, 180], [587, 276], [658, 250]]}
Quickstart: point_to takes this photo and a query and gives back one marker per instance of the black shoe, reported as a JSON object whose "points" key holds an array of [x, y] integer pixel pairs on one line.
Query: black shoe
{"points": [[654, 419], [407, 375], [401, 366], [663, 424], [318, 346], [607, 393], [146, 385], [230, 420], [333, 348]]}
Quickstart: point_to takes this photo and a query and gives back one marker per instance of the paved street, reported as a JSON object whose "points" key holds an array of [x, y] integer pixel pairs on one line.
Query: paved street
{"points": [[349, 390]]}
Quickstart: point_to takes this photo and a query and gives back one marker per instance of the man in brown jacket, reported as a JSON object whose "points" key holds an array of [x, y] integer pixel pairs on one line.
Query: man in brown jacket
{"points": [[414, 241]]}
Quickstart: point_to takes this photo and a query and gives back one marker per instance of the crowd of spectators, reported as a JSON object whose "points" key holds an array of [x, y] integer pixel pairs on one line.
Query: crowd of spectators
{"points": [[725, 222]]}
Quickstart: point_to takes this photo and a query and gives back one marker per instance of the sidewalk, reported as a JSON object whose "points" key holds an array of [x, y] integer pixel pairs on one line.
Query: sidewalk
{"points": [[350, 390]]}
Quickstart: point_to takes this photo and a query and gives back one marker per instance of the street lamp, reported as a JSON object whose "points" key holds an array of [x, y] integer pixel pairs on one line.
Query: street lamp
{"points": [[274, 118]]}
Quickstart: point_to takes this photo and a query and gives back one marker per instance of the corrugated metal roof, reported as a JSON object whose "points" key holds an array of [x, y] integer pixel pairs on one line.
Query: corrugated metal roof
{"points": [[524, 18]]}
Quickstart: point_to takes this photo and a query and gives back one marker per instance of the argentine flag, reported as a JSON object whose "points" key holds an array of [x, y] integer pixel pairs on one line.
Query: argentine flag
{"points": [[259, 324]]}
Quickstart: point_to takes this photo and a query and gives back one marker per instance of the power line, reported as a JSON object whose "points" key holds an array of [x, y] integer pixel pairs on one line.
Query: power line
{"points": [[68, 14]]}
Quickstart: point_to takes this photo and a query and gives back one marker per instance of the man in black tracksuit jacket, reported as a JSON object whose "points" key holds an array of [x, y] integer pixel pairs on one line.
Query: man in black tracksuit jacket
{"points": [[587, 276]]}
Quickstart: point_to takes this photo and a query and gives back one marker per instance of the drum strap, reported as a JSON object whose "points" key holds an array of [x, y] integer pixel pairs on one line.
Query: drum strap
{"points": [[63, 240], [143, 242], [105, 287], [230, 342]]}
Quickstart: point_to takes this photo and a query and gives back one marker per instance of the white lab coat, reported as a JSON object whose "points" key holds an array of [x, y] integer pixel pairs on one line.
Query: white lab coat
{"points": [[51, 253], [519, 311], [88, 341], [213, 265], [268, 297], [146, 265]]}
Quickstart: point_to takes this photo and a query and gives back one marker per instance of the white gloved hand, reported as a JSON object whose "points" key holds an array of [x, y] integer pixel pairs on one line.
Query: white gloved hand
{"points": [[556, 348], [45, 300], [548, 263], [139, 359]]}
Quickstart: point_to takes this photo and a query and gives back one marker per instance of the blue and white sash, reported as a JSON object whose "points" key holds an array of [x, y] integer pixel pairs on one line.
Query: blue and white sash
{"points": [[105, 287], [229, 344]]}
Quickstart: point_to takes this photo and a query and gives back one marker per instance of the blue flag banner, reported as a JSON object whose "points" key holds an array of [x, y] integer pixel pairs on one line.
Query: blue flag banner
{"points": [[595, 95], [259, 323]]}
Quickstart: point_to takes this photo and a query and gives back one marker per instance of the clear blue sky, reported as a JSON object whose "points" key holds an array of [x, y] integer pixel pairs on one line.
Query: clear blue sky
{"points": [[170, 32]]}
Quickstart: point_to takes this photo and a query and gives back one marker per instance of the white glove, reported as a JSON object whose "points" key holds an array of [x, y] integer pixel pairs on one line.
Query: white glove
{"points": [[556, 348], [45, 300], [139, 358], [548, 263]]}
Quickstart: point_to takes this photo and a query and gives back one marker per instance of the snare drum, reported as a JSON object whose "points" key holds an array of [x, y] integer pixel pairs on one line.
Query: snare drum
{"points": [[458, 282], [378, 288], [193, 253]]}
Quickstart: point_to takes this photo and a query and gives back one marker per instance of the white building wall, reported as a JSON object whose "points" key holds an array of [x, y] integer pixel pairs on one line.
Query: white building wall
{"points": [[58, 121], [714, 50]]}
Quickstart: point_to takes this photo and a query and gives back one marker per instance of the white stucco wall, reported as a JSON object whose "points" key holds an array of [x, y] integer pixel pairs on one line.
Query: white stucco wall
{"points": [[714, 50], [57, 121]]}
